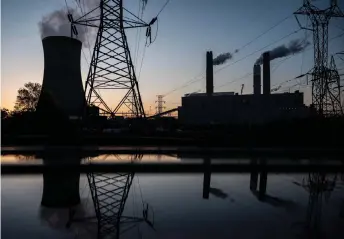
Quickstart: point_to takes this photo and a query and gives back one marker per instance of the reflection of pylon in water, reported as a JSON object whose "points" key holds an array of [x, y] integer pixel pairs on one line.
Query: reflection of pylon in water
{"points": [[109, 194], [319, 186]]}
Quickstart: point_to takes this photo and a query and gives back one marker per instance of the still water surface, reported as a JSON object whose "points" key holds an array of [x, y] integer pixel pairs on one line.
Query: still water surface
{"points": [[293, 206]]}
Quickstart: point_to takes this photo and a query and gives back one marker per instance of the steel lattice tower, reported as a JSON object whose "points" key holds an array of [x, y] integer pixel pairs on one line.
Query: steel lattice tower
{"points": [[109, 194], [161, 102], [319, 186], [325, 96], [111, 66]]}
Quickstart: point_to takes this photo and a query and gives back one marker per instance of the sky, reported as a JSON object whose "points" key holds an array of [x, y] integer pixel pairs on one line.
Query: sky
{"points": [[186, 30]]}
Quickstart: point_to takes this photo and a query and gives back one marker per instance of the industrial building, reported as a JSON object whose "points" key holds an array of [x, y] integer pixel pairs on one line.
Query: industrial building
{"points": [[232, 108], [62, 89]]}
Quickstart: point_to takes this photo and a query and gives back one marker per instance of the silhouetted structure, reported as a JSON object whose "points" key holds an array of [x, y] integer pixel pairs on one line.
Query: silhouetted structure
{"points": [[319, 186], [206, 178], [160, 108], [111, 67], [61, 189], [109, 194], [62, 89], [325, 90], [266, 73], [256, 80], [263, 178], [231, 108], [210, 74]]}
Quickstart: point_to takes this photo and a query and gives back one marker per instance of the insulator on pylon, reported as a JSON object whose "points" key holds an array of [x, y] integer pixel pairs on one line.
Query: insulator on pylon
{"points": [[152, 21], [70, 18], [74, 30]]}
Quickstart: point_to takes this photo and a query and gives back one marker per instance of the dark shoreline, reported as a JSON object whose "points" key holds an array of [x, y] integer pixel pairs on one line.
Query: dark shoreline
{"points": [[181, 151]]}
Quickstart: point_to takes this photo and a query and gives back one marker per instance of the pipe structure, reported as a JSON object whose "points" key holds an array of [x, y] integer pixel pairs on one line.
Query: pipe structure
{"points": [[256, 80], [209, 74], [266, 73]]}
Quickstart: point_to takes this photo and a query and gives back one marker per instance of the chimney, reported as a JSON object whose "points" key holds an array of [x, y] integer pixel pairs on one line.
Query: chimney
{"points": [[266, 73], [256, 80], [62, 88], [209, 76]]}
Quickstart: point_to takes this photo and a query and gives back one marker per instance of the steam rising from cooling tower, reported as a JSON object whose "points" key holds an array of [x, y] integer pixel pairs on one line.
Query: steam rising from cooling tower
{"points": [[57, 24], [295, 46], [222, 58]]}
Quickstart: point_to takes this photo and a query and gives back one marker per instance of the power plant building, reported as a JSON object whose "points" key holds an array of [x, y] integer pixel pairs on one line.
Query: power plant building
{"points": [[230, 108], [62, 88]]}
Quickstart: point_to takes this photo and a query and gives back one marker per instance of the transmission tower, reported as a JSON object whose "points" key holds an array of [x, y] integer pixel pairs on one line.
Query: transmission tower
{"points": [[325, 96], [319, 186], [111, 70], [161, 102], [109, 193]]}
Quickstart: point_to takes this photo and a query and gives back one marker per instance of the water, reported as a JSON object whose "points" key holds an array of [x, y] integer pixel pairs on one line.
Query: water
{"points": [[290, 207]]}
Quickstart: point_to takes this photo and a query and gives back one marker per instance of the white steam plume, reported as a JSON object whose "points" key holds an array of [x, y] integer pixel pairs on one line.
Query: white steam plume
{"points": [[57, 24]]}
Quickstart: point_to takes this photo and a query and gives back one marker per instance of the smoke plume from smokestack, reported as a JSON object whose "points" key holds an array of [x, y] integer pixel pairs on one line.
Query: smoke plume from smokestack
{"points": [[295, 46], [222, 58]]}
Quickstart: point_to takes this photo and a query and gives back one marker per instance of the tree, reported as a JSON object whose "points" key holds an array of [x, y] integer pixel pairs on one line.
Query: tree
{"points": [[27, 97], [4, 113]]}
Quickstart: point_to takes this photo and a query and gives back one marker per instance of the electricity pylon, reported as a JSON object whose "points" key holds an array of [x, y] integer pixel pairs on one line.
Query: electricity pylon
{"points": [[111, 70], [325, 93]]}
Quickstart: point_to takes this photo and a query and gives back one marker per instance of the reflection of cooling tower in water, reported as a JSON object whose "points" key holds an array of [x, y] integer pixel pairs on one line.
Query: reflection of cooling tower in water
{"points": [[61, 188], [62, 88]]}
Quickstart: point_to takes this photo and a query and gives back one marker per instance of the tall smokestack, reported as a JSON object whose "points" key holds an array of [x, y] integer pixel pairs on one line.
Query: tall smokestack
{"points": [[62, 88], [209, 80], [256, 80], [266, 73]]}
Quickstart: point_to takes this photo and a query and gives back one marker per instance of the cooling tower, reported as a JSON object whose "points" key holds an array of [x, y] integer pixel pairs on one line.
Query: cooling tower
{"points": [[62, 88], [266, 73], [209, 74], [256, 80]]}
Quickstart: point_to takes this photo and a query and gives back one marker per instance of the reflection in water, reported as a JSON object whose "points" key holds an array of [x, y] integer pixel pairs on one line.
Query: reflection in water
{"points": [[260, 193], [61, 188], [109, 193], [206, 178], [218, 193], [319, 186], [206, 182]]}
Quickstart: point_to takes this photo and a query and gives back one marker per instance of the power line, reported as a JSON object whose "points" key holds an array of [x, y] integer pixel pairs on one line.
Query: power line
{"points": [[340, 35], [281, 62], [308, 48], [143, 56], [278, 23], [193, 80], [220, 69], [235, 80], [262, 34], [67, 5], [86, 28], [163, 7], [138, 35], [303, 53]]}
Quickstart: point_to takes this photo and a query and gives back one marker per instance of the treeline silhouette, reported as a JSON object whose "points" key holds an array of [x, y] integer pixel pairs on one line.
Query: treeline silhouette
{"points": [[312, 132]]}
